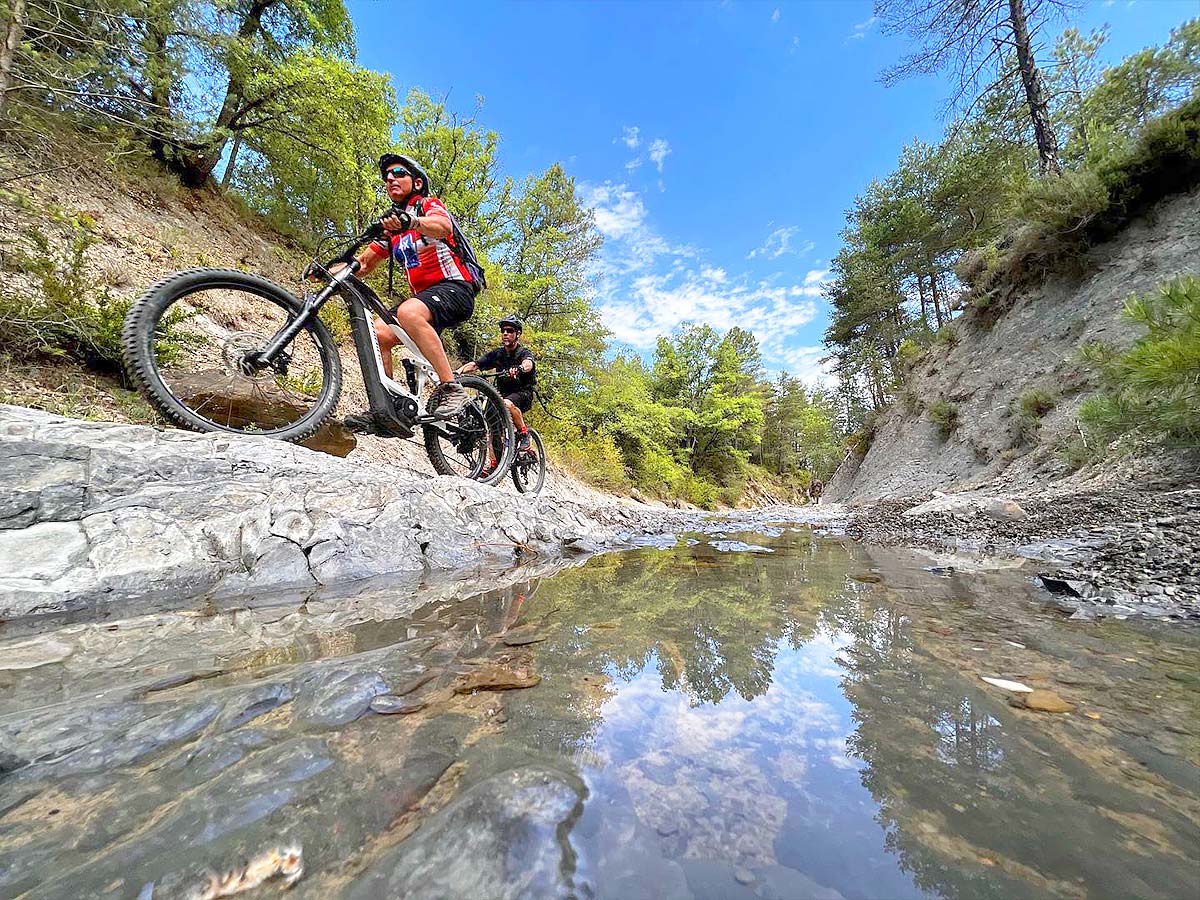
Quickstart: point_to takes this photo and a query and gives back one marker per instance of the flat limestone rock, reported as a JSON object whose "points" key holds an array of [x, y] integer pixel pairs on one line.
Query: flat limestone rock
{"points": [[496, 678], [507, 826], [32, 654]]}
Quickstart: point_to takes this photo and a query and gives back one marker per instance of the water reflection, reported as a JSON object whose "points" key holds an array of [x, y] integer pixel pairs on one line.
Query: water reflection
{"points": [[804, 723], [774, 724]]}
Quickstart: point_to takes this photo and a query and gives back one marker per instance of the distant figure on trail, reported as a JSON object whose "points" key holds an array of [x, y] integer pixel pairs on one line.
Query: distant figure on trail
{"points": [[517, 379], [421, 237], [815, 487]]}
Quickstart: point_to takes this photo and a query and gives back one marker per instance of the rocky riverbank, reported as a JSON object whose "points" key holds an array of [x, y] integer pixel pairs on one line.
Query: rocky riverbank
{"points": [[1109, 551], [96, 513]]}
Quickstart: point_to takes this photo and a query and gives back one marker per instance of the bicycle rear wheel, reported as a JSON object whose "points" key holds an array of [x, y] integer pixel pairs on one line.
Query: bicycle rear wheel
{"points": [[187, 345], [529, 466], [477, 444]]}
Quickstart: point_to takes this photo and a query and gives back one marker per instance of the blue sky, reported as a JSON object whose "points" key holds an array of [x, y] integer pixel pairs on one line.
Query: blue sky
{"points": [[719, 143]]}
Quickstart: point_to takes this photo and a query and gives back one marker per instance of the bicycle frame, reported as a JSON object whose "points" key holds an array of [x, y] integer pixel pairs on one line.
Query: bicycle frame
{"points": [[361, 302]]}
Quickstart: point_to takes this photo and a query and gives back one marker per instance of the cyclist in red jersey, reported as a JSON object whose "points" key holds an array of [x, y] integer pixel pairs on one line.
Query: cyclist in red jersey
{"points": [[421, 238]]}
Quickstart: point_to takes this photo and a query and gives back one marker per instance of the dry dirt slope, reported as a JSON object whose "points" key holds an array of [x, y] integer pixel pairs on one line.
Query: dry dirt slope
{"points": [[146, 227], [1034, 344]]}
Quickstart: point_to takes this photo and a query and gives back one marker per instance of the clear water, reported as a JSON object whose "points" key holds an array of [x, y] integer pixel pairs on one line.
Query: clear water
{"points": [[804, 722]]}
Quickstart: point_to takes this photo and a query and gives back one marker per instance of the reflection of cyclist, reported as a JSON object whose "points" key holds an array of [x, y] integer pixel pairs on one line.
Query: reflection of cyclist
{"points": [[421, 238], [517, 376]]}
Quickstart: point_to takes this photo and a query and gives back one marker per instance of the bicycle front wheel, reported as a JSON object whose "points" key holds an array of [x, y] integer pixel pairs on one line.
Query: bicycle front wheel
{"points": [[478, 443], [187, 346], [529, 466]]}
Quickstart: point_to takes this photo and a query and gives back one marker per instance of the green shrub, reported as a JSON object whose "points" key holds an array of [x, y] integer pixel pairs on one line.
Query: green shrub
{"points": [[1063, 206], [337, 319], [1028, 410], [1055, 220], [1164, 160], [594, 457], [1152, 390], [944, 415], [1036, 402], [70, 314], [1076, 452], [946, 336], [910, 401], [908, 354]]}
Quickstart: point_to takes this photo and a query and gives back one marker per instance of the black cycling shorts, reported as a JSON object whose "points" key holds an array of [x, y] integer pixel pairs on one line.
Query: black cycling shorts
{"points": [[522, 400], [451, 302]]}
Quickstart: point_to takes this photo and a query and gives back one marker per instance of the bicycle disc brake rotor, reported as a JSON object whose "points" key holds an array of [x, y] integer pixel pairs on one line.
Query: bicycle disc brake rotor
{"points": [[234, 350]]}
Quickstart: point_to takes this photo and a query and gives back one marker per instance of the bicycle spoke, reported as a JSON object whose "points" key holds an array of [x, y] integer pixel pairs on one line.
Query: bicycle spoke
{"points": [[199, 346]]}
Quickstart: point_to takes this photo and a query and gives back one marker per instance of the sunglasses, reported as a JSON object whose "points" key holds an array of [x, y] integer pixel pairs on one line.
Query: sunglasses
{"points": [[508, 331], [396, 173]]}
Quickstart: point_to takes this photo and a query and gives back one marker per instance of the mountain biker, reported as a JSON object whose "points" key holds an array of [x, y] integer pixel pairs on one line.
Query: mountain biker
{"points": [[443, 291], [517, 379]]}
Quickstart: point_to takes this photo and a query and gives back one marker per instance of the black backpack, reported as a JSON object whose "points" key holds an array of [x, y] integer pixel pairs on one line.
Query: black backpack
{"points": [[463, 250]]}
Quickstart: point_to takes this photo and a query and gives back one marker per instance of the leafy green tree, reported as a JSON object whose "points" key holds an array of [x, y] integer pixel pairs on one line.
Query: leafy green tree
{"points": [[462, 159], [1069, 82], [714, 379], [551, 240], [798, 431], [1145, 85], [310, 164]]}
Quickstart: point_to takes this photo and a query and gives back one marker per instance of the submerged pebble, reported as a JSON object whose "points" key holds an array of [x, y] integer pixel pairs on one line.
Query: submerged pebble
{"points": [[390, 705]]}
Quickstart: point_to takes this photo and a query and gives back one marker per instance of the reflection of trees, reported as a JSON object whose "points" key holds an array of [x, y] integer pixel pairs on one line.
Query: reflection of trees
{"points": [[972, 805], [713, 621]]}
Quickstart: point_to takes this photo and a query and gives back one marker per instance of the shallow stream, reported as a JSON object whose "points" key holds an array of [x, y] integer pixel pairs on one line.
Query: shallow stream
{"points": [[779, 714]]}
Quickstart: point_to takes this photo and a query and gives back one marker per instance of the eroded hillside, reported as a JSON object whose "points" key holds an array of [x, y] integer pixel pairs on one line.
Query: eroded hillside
{"points": [[958, 424]]}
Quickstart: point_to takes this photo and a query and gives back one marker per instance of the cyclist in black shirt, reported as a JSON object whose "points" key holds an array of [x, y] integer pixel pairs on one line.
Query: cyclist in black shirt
{"points": [[518, 375]]}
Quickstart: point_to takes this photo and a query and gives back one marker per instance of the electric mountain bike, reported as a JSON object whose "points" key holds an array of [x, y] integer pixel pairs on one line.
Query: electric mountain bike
{"points": [[528, 467], [218, 350]]}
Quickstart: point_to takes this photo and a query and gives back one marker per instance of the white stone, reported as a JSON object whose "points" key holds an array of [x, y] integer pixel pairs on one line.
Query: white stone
{"points": [[42, 551]]}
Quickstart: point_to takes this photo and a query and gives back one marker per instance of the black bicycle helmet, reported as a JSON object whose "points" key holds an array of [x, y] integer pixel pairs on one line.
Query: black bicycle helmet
{"points": [[514, 321], [390, 159]]}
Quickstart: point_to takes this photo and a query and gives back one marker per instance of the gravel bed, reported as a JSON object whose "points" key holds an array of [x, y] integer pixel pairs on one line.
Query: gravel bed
{"points": [[1122, 552]]}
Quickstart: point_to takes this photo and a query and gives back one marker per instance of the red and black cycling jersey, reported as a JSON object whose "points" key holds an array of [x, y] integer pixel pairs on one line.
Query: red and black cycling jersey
{"points": [[501, 360], [427, 260]]}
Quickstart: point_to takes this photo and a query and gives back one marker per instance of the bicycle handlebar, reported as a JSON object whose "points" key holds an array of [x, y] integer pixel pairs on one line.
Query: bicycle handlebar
{"points": [[372, 232]]}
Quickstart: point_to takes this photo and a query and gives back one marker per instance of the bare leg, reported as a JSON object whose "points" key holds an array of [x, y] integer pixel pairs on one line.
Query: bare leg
{"points": [[518, 419], [417, 320], [387, 343]]}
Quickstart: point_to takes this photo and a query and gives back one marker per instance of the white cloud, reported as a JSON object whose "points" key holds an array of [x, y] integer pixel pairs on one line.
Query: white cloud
{"points": [[630, 137], [861, 29], [779, 242], [633, 164], [646, 287], [775, 15], [658, 152], [815, 276], [805, 363]]}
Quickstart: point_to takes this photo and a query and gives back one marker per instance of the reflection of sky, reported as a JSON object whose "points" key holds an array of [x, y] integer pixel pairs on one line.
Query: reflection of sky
{"points": [[751, 783]]}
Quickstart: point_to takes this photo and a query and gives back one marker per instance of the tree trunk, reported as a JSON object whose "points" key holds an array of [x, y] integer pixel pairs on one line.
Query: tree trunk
{"points": [[1035, 96], [198, 166], [227, 175], [18, 15], [937, 305], [921, 293]]}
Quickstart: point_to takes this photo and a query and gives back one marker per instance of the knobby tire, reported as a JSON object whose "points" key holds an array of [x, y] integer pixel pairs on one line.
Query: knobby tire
{"points": [[495, 413], [138, 349]]}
